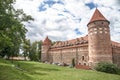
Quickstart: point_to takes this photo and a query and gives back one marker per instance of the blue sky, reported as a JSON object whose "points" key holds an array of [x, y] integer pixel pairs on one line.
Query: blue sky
{"points": [[91, 5], [67, 19]]}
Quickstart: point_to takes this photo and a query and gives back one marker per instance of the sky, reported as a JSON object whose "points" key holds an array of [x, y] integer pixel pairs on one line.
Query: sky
{"points": [[62, 20]]}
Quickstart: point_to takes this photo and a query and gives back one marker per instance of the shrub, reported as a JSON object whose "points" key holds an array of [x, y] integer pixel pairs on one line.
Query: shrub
{"points": [[107, 67], [118, 71]]}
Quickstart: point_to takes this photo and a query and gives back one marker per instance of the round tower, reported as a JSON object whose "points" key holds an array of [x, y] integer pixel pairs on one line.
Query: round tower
{"points": [[45, 48], [99, 39]]}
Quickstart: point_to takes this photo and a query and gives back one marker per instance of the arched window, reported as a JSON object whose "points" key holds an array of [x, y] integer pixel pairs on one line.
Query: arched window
{"points": [[85, 64], [79, 63], [102, 22], [83, 58]]}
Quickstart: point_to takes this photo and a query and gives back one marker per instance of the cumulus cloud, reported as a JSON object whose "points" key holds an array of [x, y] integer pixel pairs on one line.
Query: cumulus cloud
{"points": [[67, 19]]}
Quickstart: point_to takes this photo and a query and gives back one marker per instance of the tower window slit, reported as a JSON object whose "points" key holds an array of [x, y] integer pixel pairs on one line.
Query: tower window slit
{"points": [[83, 58]]}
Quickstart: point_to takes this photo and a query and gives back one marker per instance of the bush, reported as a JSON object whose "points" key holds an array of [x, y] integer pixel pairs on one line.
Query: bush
{"points": [[118, 71], [107, 67]]}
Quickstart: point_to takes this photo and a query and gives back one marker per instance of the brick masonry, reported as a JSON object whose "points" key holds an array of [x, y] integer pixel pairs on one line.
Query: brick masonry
{"points": [[88, 50]]}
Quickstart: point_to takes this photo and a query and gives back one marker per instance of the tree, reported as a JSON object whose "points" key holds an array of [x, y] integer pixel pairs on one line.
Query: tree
{"points": [[12, 31], [35, 51], [39, 49], [53, 42], [26, 47]]}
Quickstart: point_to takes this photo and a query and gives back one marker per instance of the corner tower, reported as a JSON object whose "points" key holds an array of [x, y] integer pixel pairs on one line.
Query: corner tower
{"points": [[45, 48], [99, 39]]}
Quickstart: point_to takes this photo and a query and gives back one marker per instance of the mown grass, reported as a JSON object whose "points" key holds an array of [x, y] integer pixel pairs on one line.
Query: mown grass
{"points": [[27, 70]]}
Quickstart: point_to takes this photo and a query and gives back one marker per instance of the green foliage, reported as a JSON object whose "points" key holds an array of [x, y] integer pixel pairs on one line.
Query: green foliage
{"points": [[26, 47], [107, 67], [39, 49], [32, 50], [53, 42], [35, 51], [29, 70], [12, 30]]}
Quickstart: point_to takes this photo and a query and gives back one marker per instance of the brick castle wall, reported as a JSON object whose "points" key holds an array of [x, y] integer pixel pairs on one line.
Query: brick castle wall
{"points": [[116, 55], [89, 50], [66, 54]]}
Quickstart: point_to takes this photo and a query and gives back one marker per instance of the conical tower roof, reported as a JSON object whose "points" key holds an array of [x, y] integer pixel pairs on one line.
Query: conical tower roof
{"points": [[47, 41], [97, 16]]}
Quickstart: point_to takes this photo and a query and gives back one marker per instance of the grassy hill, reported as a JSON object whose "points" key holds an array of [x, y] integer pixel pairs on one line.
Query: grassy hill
{"points": [[27, 70]]}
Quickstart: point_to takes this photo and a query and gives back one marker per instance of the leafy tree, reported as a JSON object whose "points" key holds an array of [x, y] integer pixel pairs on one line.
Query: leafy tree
{"points": [[39, 49], [12, 31], [26, 47], [53, 42], [35, 51]]}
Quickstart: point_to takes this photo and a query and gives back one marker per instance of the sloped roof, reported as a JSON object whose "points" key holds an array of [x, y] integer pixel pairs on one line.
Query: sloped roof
{"points": [[115, 44], [97, 16], [47, 41], [81, 40]]}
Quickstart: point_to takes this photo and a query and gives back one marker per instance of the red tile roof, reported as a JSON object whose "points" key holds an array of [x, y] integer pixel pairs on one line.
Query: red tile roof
{"points": [[97, 16], [78, 41], [81, 40], [115, 44]]}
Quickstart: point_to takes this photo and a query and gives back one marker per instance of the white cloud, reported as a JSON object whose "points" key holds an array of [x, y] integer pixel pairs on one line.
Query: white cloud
{"points": [[60, 20]]}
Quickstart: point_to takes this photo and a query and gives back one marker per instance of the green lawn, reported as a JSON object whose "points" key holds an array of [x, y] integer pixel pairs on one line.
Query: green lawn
{"points": [[39, 71]]}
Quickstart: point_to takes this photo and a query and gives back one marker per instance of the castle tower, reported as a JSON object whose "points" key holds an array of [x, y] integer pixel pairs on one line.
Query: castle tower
{"points": [[45, 48], [99, 39]]}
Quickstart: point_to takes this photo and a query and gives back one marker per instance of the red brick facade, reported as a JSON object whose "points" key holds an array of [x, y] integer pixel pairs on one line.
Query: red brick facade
{"points": [[88, 50]]}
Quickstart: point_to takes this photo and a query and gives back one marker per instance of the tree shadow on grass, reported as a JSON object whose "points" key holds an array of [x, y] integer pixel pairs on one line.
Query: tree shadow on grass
{"points": [[10, 73], [31, 70], [32, 67], [46, 69], [37, 73], [40, 71]]}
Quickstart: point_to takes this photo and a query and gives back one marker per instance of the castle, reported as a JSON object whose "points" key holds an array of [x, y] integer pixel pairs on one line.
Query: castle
{"points": [[88, 50]]}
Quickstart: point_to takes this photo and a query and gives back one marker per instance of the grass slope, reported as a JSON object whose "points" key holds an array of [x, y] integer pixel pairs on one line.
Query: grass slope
{"points": [[38, 71]]}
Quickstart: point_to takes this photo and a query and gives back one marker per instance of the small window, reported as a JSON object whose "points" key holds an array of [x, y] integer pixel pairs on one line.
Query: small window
{"points": [[105, 28], [85, 64], [90, 29], [101, 32], [95, 32], [106, 32], [95, 29], [82, 57], [91, 33], [100, 28]]}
